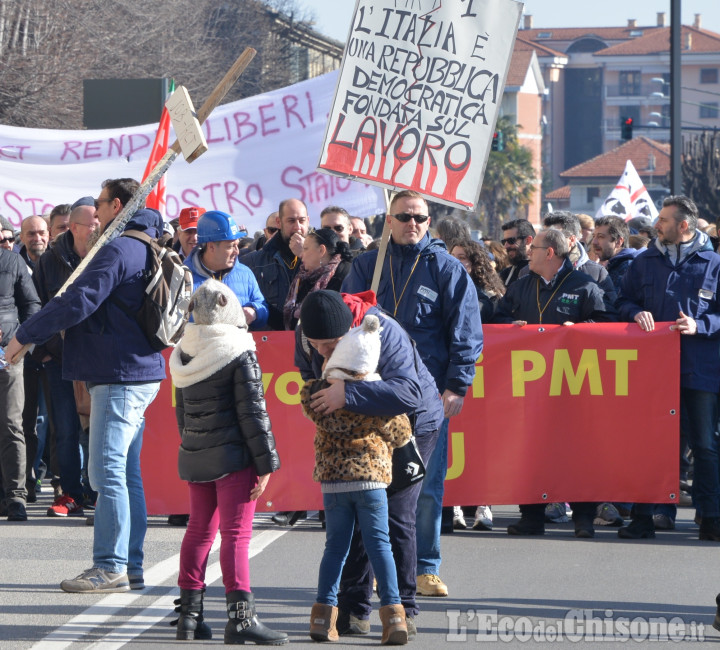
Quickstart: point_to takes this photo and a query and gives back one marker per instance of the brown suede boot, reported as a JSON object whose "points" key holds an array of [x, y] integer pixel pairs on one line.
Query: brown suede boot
{"points": [[322, 623], [395, 630]]}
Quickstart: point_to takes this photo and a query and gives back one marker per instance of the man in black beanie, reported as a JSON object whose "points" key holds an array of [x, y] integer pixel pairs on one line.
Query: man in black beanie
{"points": [[406, 386]]}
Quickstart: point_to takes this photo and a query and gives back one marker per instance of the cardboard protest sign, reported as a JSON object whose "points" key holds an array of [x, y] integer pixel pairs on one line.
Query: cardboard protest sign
{"points": [[419, 94]]}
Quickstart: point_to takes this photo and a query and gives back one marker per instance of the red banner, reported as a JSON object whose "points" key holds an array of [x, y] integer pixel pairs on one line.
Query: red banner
{"points": [[582, 413]]}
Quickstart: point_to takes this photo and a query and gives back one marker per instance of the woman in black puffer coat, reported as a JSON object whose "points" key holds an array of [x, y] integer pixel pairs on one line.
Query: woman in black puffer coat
{"points": [[227, 455]]}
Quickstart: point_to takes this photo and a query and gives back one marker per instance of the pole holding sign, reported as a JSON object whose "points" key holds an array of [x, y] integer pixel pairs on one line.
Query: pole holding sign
{"points": [[419, 93]]}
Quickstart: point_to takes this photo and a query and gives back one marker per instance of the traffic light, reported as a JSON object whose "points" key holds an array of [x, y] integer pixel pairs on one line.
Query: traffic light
{"points": [[498, 141], [626, 128]]}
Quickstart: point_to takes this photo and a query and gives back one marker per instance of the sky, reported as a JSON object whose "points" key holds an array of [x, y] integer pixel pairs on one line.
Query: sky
{"points": [[333, 17]]}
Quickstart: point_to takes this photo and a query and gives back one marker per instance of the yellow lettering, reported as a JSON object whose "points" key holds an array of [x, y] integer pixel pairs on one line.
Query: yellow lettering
{"points": [[521, 373], [478, 385], [266, 379], [622, 359], [281, 388], [588, 366], [457, 449]]}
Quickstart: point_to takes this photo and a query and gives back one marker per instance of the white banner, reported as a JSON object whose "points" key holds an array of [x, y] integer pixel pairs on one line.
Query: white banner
{"points": [[261, 150], [419, 93]]}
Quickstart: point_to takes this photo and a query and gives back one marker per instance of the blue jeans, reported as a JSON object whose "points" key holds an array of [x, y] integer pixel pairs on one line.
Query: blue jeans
{"points": [[429, 507], [371, 508], [116, 429], [699, 416], [67, 431]]}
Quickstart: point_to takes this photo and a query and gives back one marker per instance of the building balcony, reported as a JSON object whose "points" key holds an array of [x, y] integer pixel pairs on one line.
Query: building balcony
{"points": [[637, 93]]}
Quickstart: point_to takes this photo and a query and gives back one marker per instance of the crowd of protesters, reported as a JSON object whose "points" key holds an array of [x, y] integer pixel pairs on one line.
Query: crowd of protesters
{"points": [[437, 288]]}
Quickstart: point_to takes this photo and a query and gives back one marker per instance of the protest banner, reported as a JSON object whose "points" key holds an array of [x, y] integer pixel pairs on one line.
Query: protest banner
{"points": [[554, 414], [419, 93], [262, 150]]}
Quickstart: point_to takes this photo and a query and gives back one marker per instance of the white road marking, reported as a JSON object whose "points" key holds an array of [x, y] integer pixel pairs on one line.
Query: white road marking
{"points": [[102, 611]]}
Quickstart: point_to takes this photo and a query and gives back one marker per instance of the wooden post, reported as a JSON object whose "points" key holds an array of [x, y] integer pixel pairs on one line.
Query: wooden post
{"points": [[382, 251]]}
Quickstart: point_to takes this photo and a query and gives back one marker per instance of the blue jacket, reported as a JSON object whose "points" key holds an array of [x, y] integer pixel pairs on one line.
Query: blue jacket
{"points": [[273, 277], [654, 283], [406, 385], [240, 280], [618, 265], [438, 306], [102, 343]]}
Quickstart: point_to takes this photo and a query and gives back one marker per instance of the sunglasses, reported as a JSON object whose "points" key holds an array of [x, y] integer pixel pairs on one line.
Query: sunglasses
{"points": [[99, 201], [509, 241], [404, 217], [272, 230], [4, 239]]}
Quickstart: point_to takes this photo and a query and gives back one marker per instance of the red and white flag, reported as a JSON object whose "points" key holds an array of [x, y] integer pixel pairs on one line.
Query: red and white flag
{"points": [[629, 198], [156, 198]]}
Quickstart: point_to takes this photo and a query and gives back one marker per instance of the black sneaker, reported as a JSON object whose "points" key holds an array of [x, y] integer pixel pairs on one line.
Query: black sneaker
{"points": [[641, 527], [526, 527], [16, 511]]}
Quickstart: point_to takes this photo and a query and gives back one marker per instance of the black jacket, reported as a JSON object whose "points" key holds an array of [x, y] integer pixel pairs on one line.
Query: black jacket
{"points": [[51, 272], [224, 425], [571, 296], [18, 298]]}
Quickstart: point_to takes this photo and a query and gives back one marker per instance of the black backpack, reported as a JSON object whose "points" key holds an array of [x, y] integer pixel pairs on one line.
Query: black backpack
{"points": [[164, 311]]}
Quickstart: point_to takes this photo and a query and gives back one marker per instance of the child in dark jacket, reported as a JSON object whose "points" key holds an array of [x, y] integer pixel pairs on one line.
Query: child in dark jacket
{"points": [[353, 462], [227, 455]]}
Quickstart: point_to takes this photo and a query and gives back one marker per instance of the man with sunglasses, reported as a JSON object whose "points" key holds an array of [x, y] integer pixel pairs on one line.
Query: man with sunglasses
{"points": [[432, 296], [107, 348], [518, 234], [7, 234], [338, 219]]}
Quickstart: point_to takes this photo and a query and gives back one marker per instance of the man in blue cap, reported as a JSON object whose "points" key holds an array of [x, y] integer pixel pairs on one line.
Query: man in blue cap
{"points": [[215, 257]]}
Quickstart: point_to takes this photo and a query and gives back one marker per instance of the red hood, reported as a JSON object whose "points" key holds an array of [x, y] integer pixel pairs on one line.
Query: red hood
{"points": [[359, 303]]}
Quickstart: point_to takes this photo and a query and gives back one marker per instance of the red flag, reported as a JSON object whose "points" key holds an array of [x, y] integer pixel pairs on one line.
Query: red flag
{"points": [[156, 198]]}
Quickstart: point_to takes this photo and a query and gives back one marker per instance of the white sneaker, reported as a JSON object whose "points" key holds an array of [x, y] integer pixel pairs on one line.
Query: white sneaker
{"points": [[483, 518], [458, 518]]}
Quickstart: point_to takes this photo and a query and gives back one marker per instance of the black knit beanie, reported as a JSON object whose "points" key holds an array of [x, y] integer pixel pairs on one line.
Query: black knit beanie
{"points": [[324, 315]]}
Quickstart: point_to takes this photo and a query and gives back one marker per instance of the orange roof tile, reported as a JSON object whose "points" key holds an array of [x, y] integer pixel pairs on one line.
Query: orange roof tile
{"points": [[612, 163], [574, 33], [540, 48], [658, 41], [519, 64], [559, 194]]}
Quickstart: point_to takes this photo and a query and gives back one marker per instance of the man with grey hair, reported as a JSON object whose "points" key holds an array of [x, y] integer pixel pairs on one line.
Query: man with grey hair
{"points": [[676, 279], [553, 293], [569, 224], [7, 234], [452, 229], [35, 236]]}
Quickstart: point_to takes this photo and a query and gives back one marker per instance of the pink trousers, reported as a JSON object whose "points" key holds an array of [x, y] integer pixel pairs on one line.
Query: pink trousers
{"points": [[223, 504]]}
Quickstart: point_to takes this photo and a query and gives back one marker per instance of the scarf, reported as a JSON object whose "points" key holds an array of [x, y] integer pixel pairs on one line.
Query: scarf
{"points": [[209, 348], [316, 279]]}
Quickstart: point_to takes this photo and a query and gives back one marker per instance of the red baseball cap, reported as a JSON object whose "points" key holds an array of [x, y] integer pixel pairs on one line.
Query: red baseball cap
{"points": [[189, 217]]}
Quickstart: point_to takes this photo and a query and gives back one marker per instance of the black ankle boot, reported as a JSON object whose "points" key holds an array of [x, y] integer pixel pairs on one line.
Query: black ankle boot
{"points": [[190, 623], [640, 527], [243, 624], [716, 622], [710, 529]]}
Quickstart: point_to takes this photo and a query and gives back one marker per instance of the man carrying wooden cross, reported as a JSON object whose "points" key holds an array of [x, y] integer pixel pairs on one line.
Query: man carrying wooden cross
{"points": [[106, 347]]}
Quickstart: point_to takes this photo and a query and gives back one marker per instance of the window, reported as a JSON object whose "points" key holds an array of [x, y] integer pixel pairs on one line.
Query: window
{"points": [[708, 75], [591, 194], [544, 35], [709, 111], [630, 82]]}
